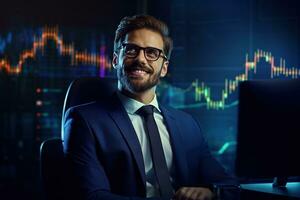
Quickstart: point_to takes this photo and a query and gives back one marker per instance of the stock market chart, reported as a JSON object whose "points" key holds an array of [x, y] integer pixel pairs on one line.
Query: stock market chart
{"points": [[217, 45]]}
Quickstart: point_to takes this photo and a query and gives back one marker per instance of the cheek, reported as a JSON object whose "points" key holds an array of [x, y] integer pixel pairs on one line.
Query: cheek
{"points": [[126, 62]]}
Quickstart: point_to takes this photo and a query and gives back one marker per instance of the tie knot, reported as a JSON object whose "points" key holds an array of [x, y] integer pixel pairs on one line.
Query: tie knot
{"points": [[145, 111]]}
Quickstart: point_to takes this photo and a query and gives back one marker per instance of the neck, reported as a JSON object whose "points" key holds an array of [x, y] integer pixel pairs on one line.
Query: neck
{"points": [[144, 97]]}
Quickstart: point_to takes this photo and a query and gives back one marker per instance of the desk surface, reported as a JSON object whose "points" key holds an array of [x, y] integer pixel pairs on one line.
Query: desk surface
{"points": [[292, 189]]}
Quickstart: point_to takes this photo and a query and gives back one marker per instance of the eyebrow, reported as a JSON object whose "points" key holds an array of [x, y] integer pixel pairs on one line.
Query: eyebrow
{"points": [[145, 46]]}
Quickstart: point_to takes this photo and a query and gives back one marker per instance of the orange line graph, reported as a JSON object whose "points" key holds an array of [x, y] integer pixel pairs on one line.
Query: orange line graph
{"points": [[52, 33], [201, 91]]}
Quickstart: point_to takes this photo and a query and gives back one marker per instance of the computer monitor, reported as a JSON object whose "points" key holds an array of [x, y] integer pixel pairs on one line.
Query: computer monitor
{"points": [[268, 143]]}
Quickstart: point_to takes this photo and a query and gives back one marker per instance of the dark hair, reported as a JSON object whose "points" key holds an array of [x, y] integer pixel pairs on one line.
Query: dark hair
{"points": [[135, 22]]}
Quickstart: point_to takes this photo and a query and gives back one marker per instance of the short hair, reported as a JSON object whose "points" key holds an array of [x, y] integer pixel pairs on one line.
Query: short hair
{"points": [[128, 24]]}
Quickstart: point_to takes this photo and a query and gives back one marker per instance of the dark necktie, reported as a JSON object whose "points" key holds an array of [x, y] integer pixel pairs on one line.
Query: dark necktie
{"points": [[158, 158]]}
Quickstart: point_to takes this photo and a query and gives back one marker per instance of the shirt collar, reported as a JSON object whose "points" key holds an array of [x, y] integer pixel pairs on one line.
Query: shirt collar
{"points": [[131, 105]]}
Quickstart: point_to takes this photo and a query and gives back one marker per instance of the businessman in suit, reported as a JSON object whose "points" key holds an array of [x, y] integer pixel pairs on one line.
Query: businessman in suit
{"points": [[132, 147]]}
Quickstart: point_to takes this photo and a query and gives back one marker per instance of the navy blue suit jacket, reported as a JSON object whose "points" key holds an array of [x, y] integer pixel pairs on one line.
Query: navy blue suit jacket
{"points": [[105, 158]]}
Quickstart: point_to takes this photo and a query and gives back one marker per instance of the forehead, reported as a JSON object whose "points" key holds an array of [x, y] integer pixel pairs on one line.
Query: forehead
{"points": [[144, 38]]}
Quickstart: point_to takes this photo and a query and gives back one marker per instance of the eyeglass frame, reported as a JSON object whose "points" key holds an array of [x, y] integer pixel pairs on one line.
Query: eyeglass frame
{"points": [[161, 52]]}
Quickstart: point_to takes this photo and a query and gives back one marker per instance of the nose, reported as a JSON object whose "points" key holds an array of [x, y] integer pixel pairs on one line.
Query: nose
{"points": [[141, 57]]}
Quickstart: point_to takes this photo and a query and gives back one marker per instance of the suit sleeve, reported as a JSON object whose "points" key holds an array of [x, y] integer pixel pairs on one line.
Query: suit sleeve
{"points": [[210, 169], [86, 177], [213, 173]]}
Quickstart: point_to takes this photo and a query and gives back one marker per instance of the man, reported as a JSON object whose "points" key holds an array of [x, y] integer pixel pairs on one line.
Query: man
{"points": [[132, 147]]}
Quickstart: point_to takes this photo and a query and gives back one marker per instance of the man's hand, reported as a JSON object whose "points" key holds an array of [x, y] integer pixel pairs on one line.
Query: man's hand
{"points": [[193, 193]]}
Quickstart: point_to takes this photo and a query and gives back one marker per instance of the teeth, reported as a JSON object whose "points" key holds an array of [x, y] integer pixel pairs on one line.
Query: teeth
{"points": [[140, 71]]}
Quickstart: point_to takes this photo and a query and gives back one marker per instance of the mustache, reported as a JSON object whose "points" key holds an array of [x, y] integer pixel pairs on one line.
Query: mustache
{"points": [[138, 66]]}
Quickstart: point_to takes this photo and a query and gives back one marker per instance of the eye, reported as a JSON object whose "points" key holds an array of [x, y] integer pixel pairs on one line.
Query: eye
{"points": [[131, 49], [152, 52]]}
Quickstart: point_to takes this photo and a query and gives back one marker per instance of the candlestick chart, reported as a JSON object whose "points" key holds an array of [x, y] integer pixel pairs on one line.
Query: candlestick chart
{"points": [[199, 89], [217, 45]]}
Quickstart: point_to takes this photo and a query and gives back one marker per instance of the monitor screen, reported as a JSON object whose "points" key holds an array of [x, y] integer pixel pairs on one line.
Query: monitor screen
{"points": [[268, 143]]}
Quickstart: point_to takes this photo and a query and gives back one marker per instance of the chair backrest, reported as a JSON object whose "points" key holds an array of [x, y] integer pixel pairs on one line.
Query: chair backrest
{"points": [[52, 167], [80, 91], [84, 90]]}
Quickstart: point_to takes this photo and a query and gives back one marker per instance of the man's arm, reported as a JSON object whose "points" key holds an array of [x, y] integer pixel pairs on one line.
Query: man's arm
{"points": [[86, 178], [211, 171]]}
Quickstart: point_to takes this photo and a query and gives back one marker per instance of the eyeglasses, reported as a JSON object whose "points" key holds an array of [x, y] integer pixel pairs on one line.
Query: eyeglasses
{"points": [[150, 53]]}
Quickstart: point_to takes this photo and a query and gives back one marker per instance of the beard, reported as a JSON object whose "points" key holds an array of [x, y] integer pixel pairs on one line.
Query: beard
{"points": [[135, 84]]}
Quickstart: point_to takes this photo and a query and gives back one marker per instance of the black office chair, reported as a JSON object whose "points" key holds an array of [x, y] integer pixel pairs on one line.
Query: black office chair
{"points": [[52, 164], [52, 168]]}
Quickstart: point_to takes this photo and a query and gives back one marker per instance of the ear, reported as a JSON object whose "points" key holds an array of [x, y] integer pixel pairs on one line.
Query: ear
{"points": [[164, 69], [115, 60]]}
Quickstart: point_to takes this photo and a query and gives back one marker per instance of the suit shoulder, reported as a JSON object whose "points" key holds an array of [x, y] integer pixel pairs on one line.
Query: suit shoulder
{"points": [[178, 114], [86, 108]]}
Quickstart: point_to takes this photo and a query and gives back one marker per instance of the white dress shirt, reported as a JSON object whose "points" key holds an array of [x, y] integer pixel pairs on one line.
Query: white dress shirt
{"points": [[131, 106]]}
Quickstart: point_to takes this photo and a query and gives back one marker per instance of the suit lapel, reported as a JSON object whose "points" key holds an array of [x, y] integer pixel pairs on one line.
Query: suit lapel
{"points": [[179, 155], [120, 116]]}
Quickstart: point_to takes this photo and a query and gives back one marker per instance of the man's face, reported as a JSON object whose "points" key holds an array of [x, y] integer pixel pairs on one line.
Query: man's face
{"points": [[138, 74]]}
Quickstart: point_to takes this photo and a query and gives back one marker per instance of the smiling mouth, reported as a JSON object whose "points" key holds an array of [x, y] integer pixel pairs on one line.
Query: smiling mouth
{"points": [[137, 72]]}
